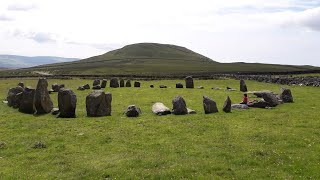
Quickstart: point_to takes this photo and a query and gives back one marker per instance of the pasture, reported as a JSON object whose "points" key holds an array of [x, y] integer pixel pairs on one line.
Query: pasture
{"points": [[277, 143]]}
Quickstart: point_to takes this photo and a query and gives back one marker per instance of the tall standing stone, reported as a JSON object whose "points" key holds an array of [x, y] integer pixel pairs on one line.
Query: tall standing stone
{"points": [[136, 84], [243, 86], [114, 83], [42, 101], [285, 95], [14, 96], [179, 106], [189, 82], [128, 83], [104, 83], [227, 105], [96, 82], [209, 105], [67, 102], [121, 83], [27, 101], [98, 104]]}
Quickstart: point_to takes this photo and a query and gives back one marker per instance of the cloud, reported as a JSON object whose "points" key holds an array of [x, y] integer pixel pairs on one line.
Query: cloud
{"points": [[5, 18], [21, 7], [101, 46], [40, 37]]}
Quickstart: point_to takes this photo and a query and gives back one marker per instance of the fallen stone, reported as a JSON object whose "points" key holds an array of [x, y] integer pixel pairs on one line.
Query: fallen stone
{"points": [[239, 106], [81, 88], [271, 99], [96, 87], [200, 87], [258, 104], [160, 109], [163, 86], [86, 86], [151, 86]]}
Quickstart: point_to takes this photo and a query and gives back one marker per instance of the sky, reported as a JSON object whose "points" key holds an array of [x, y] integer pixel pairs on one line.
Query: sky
{"points": [[264, 31]]}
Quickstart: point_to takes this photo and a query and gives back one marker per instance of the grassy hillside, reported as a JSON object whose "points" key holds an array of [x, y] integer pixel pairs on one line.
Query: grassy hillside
{"points": [[155, 59], [278, 143]]}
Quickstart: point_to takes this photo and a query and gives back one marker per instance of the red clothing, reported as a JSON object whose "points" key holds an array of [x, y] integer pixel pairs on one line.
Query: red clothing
{"points": [[245, 100]]}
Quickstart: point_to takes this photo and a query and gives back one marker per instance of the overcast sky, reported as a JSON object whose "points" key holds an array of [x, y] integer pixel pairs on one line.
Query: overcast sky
{"points": [[266, 31]]}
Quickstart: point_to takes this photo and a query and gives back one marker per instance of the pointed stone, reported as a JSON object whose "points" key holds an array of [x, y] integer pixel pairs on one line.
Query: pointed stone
{"points": [[209, 105], [179, 106], [104, 83], [128, 83], [227, 105], [121, 83], [243, 86], [286, 96]]}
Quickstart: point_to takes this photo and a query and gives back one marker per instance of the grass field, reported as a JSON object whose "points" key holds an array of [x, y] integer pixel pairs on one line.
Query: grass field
{"points": [[279, 143]]}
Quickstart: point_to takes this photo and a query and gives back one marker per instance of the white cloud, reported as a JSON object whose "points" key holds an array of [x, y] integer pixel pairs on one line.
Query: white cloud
{"points": [[4, 17]]}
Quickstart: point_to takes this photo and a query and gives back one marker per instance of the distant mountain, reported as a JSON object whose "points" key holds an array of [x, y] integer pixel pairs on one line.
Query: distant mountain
{"points": [[14, 61], [155, 59]]}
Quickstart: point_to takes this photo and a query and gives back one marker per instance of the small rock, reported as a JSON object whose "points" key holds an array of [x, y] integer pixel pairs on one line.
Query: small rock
{"points": [[200, 87], [39, 145], [151, 86], [3, 145], [191, 111], [160, 109], [179, 85], [163, 86], [55, 111], [133, 111]]}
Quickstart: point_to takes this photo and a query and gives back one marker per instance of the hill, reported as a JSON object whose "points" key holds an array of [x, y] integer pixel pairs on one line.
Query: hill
{"points": [[14, 61], [155, 59]]}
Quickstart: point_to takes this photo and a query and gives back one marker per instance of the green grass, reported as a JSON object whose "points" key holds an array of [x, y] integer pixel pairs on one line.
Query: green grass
{"points": [[279, 143]]}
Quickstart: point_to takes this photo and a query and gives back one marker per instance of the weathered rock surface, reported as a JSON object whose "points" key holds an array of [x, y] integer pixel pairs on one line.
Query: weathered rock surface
{"points": [[271, 99], [200, 87], [160, 109], [243, 86], [81, 88], [98, 104], [239, 106], [162, 86], [260, 93], [133, 111], [179, 85], [259, 104], [136, 84], [227, 105], [21, 84], [42, 100], [151, 86], [209, 105], [285, 95], [189, 82], [179, 106], [27, 101], [128, 83], [121, 83], [96, 82], [104, 83], [114, 83], [55, 111], [14, 96], [191, 111], [86, 86], [96, 87], [67, 102]]}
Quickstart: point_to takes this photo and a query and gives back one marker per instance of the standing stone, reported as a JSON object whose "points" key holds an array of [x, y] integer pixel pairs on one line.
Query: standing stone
{"points": [[86, 86], [98, 104], [285, 95], [42, 101], [151, 86], [61, 86], [121, 83], [243, 86], [271, 99], [160, 109], [133, 111], [179, 106], [128, 83], [14, 96], [189, 82], [114, 83], [27, 101], [104, 83], [209, 105], [55, 87], [96, 82], [21, 84], [67, 102], [136, 84], [227, 105], [179, 85]]}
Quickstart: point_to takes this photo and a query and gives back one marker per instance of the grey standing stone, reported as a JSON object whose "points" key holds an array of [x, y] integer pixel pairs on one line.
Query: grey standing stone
{"points": [[151, 86], [133, 111], [189, 82], [285, 95], [98, 104], [209, 105], [121, 83], [128, 83], [179, 85], [67, 102], [96, 82], [160, 109], [271, 99], [227, 105], [104, 83], [14, 96], [136, 84], [114, 83], [243, 86], [179, 106], [27, 101], [42, 100]]}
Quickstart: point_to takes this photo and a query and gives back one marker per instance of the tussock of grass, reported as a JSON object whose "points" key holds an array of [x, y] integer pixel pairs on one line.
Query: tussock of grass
{"points": [[256, 143]]}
